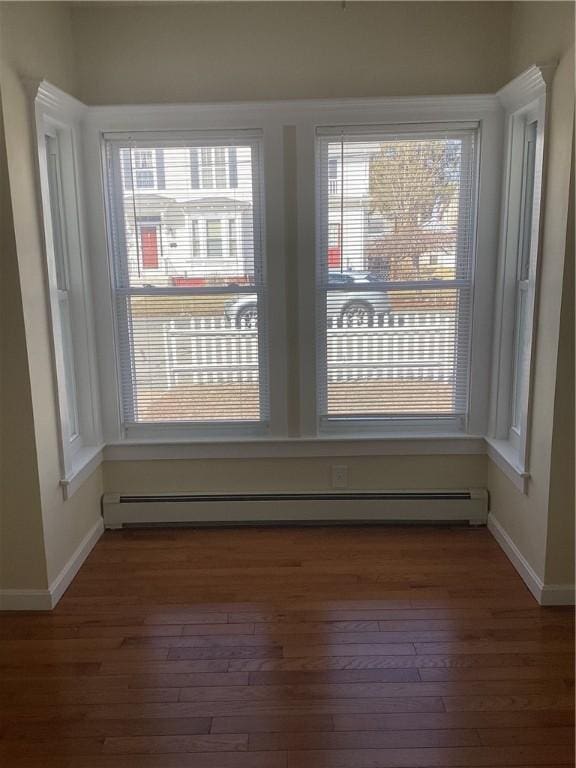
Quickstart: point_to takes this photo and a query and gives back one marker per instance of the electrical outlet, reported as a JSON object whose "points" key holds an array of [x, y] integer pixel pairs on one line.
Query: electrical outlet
{"points": [[339, 476]]}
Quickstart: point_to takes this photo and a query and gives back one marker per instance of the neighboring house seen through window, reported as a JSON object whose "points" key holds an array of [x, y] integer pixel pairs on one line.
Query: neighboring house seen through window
{"points": [[143, 168], [214, 167]]}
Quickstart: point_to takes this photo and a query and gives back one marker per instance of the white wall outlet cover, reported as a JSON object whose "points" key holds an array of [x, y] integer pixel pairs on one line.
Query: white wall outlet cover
{"points": [[339, 476]]}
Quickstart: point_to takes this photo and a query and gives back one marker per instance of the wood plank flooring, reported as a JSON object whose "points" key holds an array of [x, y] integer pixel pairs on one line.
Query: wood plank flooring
{"points": [[358, 647]]}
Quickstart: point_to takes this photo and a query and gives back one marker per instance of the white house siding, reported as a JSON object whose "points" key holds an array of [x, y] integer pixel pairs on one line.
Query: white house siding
{"points": [[176, 205]]}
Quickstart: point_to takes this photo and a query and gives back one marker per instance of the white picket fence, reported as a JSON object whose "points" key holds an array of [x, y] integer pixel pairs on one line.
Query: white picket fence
{"points": [[417, 346]]}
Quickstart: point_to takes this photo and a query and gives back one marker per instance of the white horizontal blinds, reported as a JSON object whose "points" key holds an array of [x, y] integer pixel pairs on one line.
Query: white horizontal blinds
{"points": [[521, 353], [187, 223], [60, 245], [396, 221]]}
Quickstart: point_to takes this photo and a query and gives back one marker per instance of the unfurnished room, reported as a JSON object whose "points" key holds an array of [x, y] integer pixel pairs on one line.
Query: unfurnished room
{"points": [[287, 384]]}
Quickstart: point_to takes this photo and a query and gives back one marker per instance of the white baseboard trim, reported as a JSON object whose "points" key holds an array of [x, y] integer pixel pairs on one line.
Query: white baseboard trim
{"points": [[545, 594], [66, 575], [46, 599], [25, 600], [558, 594]]}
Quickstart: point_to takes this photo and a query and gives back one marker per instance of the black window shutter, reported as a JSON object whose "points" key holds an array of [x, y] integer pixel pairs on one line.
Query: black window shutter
{"points": [[160, 173], [194, 169], [233, 167], [126, 162]]}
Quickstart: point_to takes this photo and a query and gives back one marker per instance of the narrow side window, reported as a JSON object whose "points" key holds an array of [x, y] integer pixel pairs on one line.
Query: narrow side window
{"points": [[69, 298], [517, 284]]}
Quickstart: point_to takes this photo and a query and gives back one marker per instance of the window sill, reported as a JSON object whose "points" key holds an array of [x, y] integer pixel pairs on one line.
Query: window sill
{"points": [[266, 447], [504, 455], [85, 462]]}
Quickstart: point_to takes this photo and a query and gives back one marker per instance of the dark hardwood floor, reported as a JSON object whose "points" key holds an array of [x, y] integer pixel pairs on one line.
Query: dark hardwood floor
{"points": [[290, 648]]}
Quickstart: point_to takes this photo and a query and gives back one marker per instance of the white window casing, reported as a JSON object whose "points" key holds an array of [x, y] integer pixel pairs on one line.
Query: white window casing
{"points": [[58, 119], [477, 114], [189, 285], [482, 186], [524, 102], [395, 293]]}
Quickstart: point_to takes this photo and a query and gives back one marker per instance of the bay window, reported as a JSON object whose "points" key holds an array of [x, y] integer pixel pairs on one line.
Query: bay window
{"points": [[327, 270]]}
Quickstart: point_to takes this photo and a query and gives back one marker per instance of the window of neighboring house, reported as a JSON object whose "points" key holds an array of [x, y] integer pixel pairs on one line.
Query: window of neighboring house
{"points": [[214, 167], [332, 175], [233, 242], [70, 309], [214, 241], [195, 238], [395, 343], [186, 354], [143, 168]]}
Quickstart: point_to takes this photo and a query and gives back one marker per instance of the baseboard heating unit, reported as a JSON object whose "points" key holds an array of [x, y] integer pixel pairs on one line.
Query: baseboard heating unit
{"points": [[268, 508]]}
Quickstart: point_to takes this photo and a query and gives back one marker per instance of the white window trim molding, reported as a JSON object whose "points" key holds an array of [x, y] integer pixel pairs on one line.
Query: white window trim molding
{"points": [[273, 118], [84, 464], [101, 121], [505, 456], [485, 112], [526, 87], [55, 110], [294, 448], [330, 423], [526, 94], [270, 409]]}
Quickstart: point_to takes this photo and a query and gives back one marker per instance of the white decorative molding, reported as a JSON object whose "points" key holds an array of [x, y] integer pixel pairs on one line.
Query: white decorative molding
{"points": [[527, 87], [85, 463], [462, 105], [293, 448], [61, 583], [545, 594], [46, 599], [54, 101], [505, 457]]}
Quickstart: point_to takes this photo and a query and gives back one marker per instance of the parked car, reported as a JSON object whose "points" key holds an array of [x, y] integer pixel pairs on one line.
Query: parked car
{"points": [[349, 309]]}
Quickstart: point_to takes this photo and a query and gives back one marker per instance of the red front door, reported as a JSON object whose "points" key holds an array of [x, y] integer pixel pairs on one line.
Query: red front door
{"points": [[334, 257], [149, 245]]}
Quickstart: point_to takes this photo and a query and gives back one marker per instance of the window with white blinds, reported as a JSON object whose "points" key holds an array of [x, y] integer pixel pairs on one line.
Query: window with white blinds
{"points": [[186, 236], [394, 273]]}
